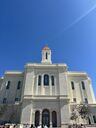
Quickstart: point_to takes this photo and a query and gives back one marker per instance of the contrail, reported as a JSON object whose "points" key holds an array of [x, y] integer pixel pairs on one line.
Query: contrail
{"points": [[78, 19]]}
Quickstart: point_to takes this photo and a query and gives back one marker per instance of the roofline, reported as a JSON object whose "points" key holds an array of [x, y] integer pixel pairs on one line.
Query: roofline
{"points": [[41, 65], [13, 73], [77, 73]]}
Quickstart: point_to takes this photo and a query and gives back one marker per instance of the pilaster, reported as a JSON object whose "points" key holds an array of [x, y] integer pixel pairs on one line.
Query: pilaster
{"points": [[37, 85], [42, 89], [50, 85]]}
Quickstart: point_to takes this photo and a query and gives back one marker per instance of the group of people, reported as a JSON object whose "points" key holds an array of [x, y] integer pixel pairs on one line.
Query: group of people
{"points": [[9, 126], [45, 126], [21, 126], [32, 126]]}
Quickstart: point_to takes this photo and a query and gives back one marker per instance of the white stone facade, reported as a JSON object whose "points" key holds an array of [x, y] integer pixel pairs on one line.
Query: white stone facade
{"points": [[45, 93]]}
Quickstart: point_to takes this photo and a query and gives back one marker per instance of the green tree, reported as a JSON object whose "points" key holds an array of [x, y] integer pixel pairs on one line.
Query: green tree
{"points": [[84, 111], [74, 115]]}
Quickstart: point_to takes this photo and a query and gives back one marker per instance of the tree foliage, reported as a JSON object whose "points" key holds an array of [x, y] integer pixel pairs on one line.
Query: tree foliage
{"points": [[83, 110], [74, 116]]}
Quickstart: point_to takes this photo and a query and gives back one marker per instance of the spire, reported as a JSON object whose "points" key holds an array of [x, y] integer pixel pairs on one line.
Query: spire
{"points": [[46, 55]]}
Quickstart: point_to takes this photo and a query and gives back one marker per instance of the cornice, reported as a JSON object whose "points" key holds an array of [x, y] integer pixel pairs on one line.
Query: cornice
{"points": [[78, 74], [37, 65], [14, 73], [45, 97]]}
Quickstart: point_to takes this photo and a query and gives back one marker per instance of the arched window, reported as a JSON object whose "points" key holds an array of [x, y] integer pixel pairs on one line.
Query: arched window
{"points": [[46, 80], [54, 119], [46, 117], [37, 118], [46, 55], [39, 80], [52, 80]]}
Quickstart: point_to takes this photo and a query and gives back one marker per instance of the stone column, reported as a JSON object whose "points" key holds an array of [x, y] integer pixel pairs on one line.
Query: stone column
{"points": [[50, 118], [55, 85], [40, 122], [33, 118], [37, 85], [91, 119]]}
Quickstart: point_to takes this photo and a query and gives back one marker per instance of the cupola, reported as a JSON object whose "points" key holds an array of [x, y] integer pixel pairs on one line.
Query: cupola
{"points": [[46, 55]]}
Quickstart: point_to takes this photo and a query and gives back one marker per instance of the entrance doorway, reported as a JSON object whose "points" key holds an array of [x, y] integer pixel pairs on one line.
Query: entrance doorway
{"points": [[54, 119], [37, 118], [46, 117]]}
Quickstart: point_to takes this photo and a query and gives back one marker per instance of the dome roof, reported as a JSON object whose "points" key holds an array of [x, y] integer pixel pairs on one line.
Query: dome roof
{"points": [[46, 48]]}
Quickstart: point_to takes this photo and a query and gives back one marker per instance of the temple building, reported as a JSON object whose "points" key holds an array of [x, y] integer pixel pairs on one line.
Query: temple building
{"points": [[44, 94]]}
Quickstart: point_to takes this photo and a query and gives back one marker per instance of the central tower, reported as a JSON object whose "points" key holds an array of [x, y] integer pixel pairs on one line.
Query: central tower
{"points": [[46, 55]]}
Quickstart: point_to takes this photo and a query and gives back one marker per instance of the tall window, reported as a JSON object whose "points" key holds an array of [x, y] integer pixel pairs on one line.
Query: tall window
{"points": [[72, 85], [46, 80], [94, 118], [46, 55], [8, 85], [52, 80], [83, 85], [4, 100], [19, 85], [39, 80]]}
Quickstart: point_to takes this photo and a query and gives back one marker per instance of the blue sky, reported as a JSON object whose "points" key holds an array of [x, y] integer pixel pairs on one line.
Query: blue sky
{"points": [[67, 26]]}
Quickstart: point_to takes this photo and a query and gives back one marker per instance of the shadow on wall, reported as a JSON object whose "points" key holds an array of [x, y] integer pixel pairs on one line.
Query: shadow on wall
{"points": [[10, 113]]}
